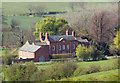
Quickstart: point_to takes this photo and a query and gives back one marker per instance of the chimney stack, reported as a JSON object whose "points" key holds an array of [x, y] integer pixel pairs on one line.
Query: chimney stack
{"points": [[46, 36], [73, 33], [41, 36], [67, 32]]}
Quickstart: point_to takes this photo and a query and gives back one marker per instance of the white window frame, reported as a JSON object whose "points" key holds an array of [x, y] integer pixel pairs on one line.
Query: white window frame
{"points": [[73, 46], [53, 48], [24, 53], [63, 47], [68, 47], [59, 47], [21, 52]]}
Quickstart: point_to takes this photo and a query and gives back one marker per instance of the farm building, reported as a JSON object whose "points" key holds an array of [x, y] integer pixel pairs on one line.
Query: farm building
{"points": [[40, 50]]}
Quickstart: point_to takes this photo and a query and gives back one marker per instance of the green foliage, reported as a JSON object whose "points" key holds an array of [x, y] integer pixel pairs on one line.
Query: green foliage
{"points": [[38, 76], [83, 52], [14, 72], [95, 54], [7, 59], [30, 68], [62, 71], [55, 56], [19, 72], [60, 60], [50, 24], [94, 68]]}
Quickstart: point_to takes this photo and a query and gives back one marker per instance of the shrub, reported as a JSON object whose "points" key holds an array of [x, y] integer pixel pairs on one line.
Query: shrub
{"points": [[62, 71], [68, 55], [94, 68], [83, 52], [80, 71], [60, 60], [7, 59]]}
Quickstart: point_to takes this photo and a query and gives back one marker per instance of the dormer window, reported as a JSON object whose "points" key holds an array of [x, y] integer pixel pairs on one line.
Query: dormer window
{"points": [[53, 48]]}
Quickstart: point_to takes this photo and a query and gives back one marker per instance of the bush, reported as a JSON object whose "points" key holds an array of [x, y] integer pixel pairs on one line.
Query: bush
{"points": [[7, 59], [80, 71], [62, 71], [19, 72], [94, 68], [56, 56], [60, 60]]}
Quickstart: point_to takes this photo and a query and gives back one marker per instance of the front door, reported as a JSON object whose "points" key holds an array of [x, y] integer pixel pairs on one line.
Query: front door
{"points": [[42, 59]]}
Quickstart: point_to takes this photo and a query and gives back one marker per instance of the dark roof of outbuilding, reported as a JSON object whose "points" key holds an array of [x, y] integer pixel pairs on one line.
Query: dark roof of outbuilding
{"points": [[58, 37], [81, 40], [29, 48]]}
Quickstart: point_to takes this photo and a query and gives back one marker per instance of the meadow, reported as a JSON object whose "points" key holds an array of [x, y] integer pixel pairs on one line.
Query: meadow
{"points": [[102, 63]]}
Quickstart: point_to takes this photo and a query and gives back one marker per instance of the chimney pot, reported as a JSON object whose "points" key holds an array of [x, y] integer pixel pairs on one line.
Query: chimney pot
{"points": [[73, 33], [41, 36], [67, 32]]}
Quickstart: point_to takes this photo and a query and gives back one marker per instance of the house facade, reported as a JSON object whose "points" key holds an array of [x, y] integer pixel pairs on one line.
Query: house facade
{"points": [[48, 45]]}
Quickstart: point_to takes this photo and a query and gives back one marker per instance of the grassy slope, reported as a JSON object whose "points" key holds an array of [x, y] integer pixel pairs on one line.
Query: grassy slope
{"points": [[102, 63], [100, 76]]}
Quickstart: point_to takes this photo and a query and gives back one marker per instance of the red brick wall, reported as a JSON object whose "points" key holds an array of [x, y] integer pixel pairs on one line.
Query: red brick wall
{"points": [[56, 44], [43, 51]]}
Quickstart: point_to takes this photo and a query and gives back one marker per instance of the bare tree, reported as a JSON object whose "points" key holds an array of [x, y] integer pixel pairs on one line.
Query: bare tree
{"points": [[102, 28]]}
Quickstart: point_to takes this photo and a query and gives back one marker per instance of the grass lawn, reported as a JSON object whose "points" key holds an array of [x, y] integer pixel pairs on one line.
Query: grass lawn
{"points": [[102, 76]]}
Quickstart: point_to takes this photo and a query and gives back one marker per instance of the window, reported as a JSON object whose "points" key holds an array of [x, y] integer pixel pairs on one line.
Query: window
{"points": [[24, 53], [53, 48], [63, 47], [59, 47], [28, 53], [67, 47], [73, 46], [82, 45], [31, 54], [20, 52]]}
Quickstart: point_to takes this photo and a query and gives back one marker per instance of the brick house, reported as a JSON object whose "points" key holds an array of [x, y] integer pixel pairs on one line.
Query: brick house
{"points": [[47, 45]]}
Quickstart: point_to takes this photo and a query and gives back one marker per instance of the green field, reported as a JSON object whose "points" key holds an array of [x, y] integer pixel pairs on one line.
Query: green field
{"points": [[25, 21], [2, 51], [102, 63], [11, 8], [101, 76]]}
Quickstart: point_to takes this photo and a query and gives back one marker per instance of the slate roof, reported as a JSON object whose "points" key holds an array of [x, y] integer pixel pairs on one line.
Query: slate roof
{"points": [[30, 48], [39, 43], [58, 37]]}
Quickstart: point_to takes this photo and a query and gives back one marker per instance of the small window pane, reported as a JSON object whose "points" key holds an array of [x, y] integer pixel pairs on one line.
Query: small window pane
{"points": [[53, 48], [63, 47], [73, 46], [68, 47], [59, 47]]}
